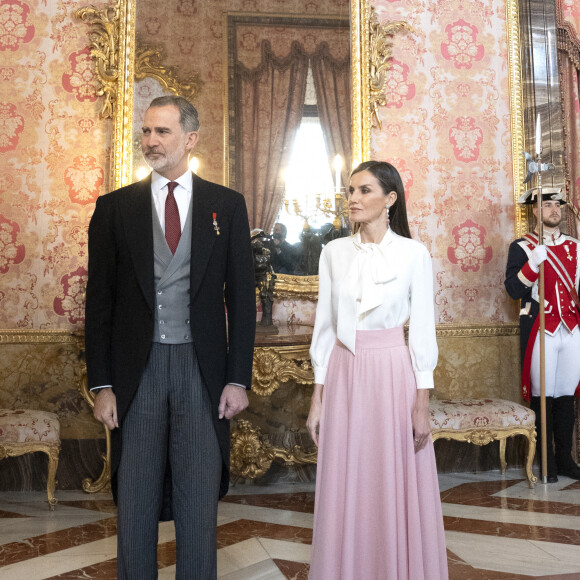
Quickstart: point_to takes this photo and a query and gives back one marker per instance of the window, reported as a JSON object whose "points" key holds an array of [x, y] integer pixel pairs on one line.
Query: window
{"points": [[308, 174]]}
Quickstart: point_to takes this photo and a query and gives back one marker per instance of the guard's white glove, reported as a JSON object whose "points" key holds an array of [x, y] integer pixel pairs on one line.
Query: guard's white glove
{"points": [[539, 254]]}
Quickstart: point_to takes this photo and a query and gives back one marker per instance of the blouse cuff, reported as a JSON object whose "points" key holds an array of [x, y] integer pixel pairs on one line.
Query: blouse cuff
{"points": [[424, 379], [319, 375]]}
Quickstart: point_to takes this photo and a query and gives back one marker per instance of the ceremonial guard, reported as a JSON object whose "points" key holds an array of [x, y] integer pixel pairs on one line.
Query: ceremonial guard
{"points": [[560, 255]]}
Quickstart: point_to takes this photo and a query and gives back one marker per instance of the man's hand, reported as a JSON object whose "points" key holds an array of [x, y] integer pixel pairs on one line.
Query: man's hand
{"points": [[105, 409], [233, 400]]}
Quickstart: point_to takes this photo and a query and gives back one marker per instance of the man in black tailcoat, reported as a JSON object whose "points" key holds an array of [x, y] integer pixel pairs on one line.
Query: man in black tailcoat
{"points": [[170, 321]]}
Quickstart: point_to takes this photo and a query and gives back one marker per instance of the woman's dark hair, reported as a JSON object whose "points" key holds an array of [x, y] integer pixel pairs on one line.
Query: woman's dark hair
{"points": [[390, 180]]}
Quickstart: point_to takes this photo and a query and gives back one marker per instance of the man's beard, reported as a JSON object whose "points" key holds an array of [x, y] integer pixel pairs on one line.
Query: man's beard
{"points": [[164, 161], [550, 222]]}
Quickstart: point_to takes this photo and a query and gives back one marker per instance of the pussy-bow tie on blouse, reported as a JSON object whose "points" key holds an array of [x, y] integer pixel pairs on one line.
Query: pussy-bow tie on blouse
{"points": [[364, 286]]}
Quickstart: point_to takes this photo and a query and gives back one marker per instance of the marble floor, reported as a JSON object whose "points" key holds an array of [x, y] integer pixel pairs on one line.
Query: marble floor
{"points": [[496, 528]]}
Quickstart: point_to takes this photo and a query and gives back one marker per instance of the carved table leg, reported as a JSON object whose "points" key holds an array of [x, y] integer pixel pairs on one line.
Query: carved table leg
{"points": [[532, 479], [103, 482]]}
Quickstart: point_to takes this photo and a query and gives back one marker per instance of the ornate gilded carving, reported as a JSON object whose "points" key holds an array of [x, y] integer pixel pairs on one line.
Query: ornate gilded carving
{"points": [[293, 287], [275, 365], [103, 482], [105, 50], [148, 63], [112, 40], [51, 449], [252, 454], [483, 437], [381, 49]]}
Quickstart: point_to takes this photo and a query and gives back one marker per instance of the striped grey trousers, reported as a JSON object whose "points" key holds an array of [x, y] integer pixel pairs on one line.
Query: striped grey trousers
{"points": [[169, 421]]}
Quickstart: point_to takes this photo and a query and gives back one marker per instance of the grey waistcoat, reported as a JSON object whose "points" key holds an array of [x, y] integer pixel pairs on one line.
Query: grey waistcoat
{"points": [[172, 325]]}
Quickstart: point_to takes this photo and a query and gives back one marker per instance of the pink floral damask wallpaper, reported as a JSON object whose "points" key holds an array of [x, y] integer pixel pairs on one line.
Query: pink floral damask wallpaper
{"points": [[53, 163], [446, 127], [569, 12], [54, 153]]}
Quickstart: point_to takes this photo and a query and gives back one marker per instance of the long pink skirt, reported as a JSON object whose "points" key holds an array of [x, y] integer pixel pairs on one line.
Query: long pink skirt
{"points": [[377, 513]]}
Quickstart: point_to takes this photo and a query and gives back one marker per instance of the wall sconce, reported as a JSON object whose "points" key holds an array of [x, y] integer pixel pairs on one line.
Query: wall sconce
{"points": [[142, 172], [337, 169], [194, 164]]}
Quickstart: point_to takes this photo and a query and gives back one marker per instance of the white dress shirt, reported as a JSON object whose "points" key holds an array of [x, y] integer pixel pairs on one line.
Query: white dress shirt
{"points": [[182, 194], [372, 287]]}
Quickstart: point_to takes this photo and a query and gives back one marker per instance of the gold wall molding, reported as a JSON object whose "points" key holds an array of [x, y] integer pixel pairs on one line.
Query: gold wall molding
{"points": [[477, 330], [40, 336], [112, 40], [148, 63], [516, 114], [12, 336], [293, 287], [380, 53], [361, 126]]}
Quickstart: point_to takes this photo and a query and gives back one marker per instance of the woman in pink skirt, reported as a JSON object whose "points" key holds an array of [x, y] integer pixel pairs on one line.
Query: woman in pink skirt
{"points": [[377, 514]]}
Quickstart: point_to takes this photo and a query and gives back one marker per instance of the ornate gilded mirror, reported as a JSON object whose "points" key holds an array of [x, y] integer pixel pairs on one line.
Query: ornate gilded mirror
{"points": [[141, 55]]}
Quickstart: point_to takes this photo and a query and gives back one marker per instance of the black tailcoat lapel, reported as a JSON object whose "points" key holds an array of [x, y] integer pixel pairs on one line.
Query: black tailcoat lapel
{"points": [[136, 208], [204, 205]]}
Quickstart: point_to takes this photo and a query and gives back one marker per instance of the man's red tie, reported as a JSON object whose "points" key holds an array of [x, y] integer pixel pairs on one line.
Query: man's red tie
{"points": [[172, 223]]}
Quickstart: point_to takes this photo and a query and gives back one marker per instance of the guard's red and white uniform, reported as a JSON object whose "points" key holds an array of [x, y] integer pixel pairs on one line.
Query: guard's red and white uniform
{"points": [[562, 343]]}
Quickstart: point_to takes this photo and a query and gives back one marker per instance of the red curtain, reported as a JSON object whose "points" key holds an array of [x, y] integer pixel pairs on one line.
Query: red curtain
{"points": [[332, 83], [268, 117]]}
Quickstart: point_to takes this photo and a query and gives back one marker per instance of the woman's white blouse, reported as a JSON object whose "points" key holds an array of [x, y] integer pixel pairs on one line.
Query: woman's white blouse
{"points": [[373, 287]]}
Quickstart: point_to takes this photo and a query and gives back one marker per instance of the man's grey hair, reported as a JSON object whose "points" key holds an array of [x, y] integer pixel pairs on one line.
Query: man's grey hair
{"points": [[188, 118]]}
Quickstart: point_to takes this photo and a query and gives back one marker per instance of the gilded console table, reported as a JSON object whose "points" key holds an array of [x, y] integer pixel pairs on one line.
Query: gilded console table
{"points": [[278, 360]]}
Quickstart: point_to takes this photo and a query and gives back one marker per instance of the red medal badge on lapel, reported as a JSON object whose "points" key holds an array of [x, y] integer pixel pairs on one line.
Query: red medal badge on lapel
{"points": [[215, 224]]}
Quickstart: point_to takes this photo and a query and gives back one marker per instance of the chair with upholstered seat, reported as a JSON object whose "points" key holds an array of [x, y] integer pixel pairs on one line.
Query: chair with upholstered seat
{"points": [[481, 421]]}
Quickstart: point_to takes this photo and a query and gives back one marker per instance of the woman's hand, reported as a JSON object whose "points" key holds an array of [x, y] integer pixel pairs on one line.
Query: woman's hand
{"points": [[420, 419], [313, 421]]}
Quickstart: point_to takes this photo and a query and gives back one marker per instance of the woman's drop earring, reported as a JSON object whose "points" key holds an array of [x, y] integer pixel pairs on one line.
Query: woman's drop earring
{"points": [[387, 214]]}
